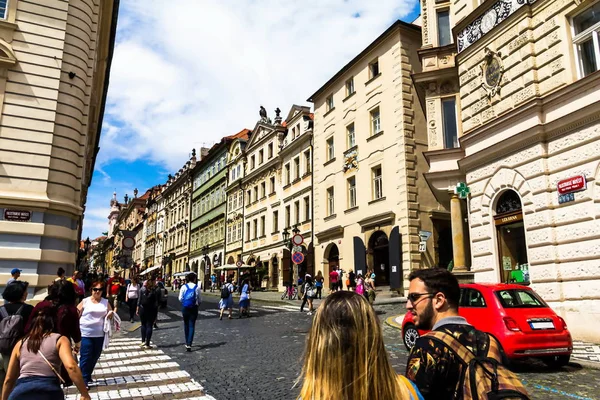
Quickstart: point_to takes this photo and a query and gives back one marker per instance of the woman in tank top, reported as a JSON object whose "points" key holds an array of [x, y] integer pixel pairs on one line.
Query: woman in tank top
{"points": [[93, 311], [33, 371]]}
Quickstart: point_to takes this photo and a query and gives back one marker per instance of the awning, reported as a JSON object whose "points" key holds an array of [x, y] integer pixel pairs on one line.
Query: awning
{"points": [[233, 266], [150, 269], [184, 273]]}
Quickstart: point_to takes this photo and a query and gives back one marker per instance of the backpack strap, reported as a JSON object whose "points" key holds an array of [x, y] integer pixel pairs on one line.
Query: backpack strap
{"points": [[409, 386], [465, 354], [20, 309], [3, 312]]}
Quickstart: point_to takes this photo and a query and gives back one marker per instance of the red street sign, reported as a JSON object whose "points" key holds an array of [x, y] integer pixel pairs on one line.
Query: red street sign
{"points": [[298, 258], [573, 184]]}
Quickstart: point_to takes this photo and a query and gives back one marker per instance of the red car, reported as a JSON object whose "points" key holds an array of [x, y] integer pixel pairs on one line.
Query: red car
{"points": [[516, 316]]}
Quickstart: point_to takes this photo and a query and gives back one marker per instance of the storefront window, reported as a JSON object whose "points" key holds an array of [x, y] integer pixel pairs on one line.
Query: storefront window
{"points": [[512, 247]]}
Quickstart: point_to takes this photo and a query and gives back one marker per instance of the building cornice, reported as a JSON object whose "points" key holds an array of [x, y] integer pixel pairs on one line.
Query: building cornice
{"points": [[386, 218], [331, 233], [265, 168]]}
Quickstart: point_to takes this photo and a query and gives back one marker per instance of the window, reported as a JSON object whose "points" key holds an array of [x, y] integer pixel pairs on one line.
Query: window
{"points": [[307, 209], [472, 298], [330, 149], [330, 202], [255, 228], [275, 221], [350, 135], [272, 184], [329, 103], [375, 121], [248, 197], [520, 298], [270, 150], [260, 157], [293, 133], [3, 8], [377, 183], [288, 220], [263, 190], [228, 234], [444, 33], [262, 226], [586, 32], [255, 193], [449, 126], [297, 212], [350, 86], [307, 162], [352, 192], [297, 167], [252, 162], [373, 68], [288, 178]]}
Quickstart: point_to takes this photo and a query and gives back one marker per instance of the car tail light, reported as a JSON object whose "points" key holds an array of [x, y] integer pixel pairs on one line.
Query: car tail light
{"points": [[511, 324], [564, 324]]}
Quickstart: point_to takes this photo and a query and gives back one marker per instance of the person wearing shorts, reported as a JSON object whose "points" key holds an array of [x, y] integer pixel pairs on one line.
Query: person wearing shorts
{"points": [[114, 285]]}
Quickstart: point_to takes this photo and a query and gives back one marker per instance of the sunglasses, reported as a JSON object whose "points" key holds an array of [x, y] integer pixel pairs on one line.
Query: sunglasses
{"points": [[97, 289], [413, 297]]}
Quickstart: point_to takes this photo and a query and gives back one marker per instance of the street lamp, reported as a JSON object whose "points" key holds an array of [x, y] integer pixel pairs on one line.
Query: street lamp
{"points": [[205, 249]]}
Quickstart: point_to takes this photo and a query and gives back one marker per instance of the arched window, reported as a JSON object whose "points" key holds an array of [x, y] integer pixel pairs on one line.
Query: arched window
{"points": [[509, 201]]}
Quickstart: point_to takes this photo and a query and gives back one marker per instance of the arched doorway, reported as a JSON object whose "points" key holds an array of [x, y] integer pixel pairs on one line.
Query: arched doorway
{"points": [[510, 230], [333, 257], [380, 256]]}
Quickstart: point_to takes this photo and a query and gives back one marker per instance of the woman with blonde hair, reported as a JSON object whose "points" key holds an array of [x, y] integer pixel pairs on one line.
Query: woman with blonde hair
{"points": [[345, 357]]}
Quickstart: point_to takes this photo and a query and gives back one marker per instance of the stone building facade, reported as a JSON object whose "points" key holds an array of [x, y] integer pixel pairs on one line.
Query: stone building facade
{"points": [[54, 63], [529, 145], [371, 202]]}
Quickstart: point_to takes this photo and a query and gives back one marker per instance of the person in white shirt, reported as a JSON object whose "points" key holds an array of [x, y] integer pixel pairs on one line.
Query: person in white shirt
{"points": [[131, 297], [189, 296]]}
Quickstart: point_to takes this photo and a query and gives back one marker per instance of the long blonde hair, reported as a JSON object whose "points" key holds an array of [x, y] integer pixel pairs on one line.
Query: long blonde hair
{"points": [[345, 357]]}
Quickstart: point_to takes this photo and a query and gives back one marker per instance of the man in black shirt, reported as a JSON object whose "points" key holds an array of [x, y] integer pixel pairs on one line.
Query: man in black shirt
{"points": [[433, 300], [15, 295]]}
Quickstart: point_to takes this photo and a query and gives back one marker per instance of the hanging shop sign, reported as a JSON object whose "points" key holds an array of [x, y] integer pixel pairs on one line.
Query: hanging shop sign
{"points": [[17, 215], [567, 188]]}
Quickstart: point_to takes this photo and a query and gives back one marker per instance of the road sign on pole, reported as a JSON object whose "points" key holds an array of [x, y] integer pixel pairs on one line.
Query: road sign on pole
{"points": [[128, 242], [297, 239], [424, 235], [239, 264], [422, 247], [298, 258]]}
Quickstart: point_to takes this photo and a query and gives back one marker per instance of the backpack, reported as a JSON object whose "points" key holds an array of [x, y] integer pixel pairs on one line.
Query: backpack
{"points": [[148, 298], [12, 328], [310, 290], [485, 377], [189, 297], [225, 291]]}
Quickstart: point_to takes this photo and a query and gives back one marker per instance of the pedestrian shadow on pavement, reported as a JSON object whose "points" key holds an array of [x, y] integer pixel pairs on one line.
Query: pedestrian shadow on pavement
{"points": [[194, 347]]}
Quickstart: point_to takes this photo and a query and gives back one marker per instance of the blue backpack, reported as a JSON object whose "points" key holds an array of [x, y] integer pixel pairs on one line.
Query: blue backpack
{"points": [[189, 297]]}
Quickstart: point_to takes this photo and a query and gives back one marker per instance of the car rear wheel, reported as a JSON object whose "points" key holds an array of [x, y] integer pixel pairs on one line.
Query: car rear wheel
{"points": [[557, 361], [411, 334]]}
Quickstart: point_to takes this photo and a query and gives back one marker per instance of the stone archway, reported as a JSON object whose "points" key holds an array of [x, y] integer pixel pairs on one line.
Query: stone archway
{"points": [[379, 257], [332, 255]]}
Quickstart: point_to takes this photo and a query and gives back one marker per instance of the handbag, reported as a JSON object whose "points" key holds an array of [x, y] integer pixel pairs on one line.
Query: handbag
{"points": [[66, 388]]}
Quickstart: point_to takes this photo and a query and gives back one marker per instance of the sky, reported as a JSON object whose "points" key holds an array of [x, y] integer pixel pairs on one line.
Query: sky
{"points": [[185, 73]]}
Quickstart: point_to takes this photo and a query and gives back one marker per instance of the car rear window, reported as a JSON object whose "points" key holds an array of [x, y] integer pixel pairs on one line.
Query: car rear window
{"points": [[520, 298]]}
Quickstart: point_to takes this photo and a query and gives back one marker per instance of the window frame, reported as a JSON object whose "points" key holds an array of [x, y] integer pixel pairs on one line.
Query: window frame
{"points": [[275, 220], [377, 181], [351, 183], [330, 201], [308, 161], [444, 128], [374, 69], [329, 104], [350, 133], [297, 212], [373, 120], [592, 32], [349, 85], [307, 216], [437, 21], [270, 150], [330, 148]]}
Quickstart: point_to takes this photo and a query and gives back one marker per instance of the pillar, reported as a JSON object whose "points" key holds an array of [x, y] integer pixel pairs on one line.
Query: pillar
{"points": [[458, 236]]}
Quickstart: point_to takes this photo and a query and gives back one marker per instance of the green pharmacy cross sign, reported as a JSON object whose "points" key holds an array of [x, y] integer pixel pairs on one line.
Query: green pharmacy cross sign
{"points": [[462, 190]]}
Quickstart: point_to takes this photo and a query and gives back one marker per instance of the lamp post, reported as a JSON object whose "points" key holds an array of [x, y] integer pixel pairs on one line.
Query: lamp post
{"points": [[288, 243], [206, 266]]}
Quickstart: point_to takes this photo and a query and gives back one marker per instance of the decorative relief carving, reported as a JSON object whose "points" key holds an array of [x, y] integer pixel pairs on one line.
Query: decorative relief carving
{"points": [[351, 160], [493, 16], [431, 123], [424, 27], [432, 89], [492, 71]]}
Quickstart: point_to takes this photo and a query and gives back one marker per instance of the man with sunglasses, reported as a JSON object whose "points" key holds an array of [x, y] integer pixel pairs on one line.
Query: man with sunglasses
{"points": [[433, 301]]}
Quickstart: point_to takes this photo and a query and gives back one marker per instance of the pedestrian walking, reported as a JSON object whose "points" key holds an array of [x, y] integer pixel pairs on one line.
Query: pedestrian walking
{"points": [[309, 294], [370, 293], [61, 296], [190, 299], [319, 284], [60, 274], [13, 317], [213, 282], [114, 285], [333, 279], [34, 364], [78, 284], [436, 365], [147, 309], [15, 274], [93, 311], [346, 332], [131, 297], [351, 281], [340, 281], [360, 285], [226, 301], [245, 299]]}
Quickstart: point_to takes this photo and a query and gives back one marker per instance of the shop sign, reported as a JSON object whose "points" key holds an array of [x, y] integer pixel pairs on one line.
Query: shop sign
{"points": [[17, 215]]}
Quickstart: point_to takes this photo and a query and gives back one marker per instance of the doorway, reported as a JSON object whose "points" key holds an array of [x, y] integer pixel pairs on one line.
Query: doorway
{"points": [[274, 272], [333, 257], [512, 247], [380, 256]]}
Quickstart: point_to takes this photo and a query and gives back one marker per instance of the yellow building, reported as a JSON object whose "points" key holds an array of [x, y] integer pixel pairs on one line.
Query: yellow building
{"points": [[54, 62], [524, 136], [372, 208]]}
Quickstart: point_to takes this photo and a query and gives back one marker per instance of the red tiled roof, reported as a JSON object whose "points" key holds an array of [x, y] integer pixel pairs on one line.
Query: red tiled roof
{"points": [[243, 134]]}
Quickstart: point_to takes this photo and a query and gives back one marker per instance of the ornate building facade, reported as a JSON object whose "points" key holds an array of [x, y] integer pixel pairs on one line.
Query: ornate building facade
{"points": [[525, 81], [369, 138], [54, 65]]}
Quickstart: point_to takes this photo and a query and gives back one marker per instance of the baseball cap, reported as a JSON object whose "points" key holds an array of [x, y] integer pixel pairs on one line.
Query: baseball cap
{"points": [[15, 270]]}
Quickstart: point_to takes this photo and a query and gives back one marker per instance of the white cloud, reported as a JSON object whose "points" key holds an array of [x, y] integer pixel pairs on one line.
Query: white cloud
{"points": [[187, 72]]}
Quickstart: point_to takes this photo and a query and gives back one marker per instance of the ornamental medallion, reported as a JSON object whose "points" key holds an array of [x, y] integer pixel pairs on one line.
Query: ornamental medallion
{"points": [[492, 71]]}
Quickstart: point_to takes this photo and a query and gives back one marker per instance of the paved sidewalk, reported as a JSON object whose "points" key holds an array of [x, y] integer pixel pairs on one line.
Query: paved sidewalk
{"points": [[126, 371], [582, 351]]}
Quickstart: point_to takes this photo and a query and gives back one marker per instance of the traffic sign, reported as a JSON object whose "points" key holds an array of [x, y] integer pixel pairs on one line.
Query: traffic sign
{"points": [[239, 264], [422, 247], [297, 249], [298, 258], [424, 235], [297, 239], [128, 242]]}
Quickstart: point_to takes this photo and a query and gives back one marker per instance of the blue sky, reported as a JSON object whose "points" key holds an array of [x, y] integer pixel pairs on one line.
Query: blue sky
{"points": [[198, 70]]}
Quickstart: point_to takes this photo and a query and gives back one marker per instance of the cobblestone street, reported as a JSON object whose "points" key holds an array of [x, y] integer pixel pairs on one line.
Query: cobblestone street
{"points": [[259, 357]]}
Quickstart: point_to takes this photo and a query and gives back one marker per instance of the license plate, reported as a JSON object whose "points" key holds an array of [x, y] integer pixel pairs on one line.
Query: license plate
{"points": [[542, 325]]}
